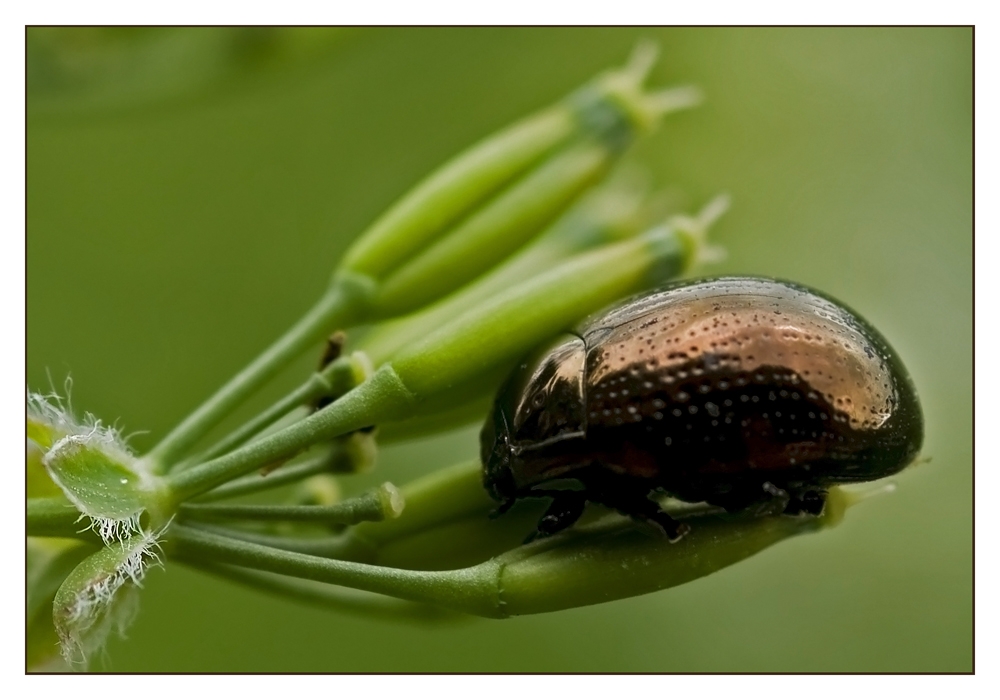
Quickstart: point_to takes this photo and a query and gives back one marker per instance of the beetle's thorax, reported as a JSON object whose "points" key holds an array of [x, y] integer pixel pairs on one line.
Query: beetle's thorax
{"points": [[537, 416]]}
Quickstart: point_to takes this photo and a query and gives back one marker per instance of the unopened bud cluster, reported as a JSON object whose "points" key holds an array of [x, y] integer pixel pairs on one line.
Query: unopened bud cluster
{"points": [[507, 244]]}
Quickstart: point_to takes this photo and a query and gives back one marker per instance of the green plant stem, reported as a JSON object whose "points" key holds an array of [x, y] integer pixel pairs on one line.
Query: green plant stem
{"points": [[339, 546], [283, 406], [606, 560], [342, 305], [470, 590], [442, 496], [332, 381], [53, 517], [328, 596], [381, 397], [286, 474], [484, 337], [382, 503]]}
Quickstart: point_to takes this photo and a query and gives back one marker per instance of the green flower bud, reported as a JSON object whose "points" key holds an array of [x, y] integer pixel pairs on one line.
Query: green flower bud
{"points": [[319, 490], [611, 108], [607, 215], [494, 232]]}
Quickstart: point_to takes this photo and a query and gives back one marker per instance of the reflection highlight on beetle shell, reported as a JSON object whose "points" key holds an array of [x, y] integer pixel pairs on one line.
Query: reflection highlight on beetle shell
{"points": [[751, 334]]}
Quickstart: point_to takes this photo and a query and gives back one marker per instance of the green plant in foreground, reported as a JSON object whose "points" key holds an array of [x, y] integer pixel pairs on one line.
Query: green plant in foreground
{"points": [[512, 241]]}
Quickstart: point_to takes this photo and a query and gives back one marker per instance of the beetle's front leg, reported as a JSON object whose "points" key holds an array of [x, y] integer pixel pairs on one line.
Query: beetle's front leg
{"points": [[644, 508], [566, 509], [810, 501]]}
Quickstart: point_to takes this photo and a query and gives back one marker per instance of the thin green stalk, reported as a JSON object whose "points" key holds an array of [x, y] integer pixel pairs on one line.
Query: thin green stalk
{"points": [[446, 495], [440, 497], [382, 503], [286, 474], [328, 596], [457, 415], [470, 590], [610, 559], [340, 546], [53, 517], [339, 377], [312, 388], [382, 397], [342, 305]]}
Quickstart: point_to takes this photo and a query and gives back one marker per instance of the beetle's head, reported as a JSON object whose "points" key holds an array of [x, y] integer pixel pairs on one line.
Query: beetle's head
{"points": [[497, 456], [539, 406]]}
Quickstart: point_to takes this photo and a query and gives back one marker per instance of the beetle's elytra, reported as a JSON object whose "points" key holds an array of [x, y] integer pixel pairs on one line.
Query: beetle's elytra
{"points": [[732, 391]]}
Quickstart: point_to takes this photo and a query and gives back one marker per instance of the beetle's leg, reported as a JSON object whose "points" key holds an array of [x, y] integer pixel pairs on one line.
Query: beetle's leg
{"points": [[811, 502], [502, 508], [648, 510], [566, 509], [753, 498], [637, 504], [776, 503]]}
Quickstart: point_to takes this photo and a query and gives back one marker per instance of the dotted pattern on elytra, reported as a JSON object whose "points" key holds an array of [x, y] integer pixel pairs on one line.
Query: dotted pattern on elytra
{"points": [[767, 324], [709, 416]]}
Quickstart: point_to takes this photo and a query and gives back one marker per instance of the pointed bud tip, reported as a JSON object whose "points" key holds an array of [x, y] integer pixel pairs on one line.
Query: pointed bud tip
{"points": [[641, 60]]}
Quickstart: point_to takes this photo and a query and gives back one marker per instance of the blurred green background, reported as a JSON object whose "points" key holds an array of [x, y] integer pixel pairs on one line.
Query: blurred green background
{"points": [[190, 189]]}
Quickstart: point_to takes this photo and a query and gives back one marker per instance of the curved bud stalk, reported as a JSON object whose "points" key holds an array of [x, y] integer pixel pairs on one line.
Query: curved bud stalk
{"points": [[382, 503], [608, 560], [336, 379], [338, 598], [99, 596]]}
